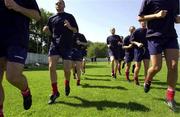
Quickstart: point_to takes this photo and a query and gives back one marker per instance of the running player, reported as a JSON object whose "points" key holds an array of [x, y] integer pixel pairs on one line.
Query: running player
{"points": [[129, 52], [113, 50], [121, 54], [61, 26], [162, 37], [14, 31], [79, 45], [141, 52]]}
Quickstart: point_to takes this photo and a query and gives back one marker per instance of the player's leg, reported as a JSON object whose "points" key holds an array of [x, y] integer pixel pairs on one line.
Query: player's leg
{"points": [[14, 74], [146, 66], [74, 69], [119, 67], [156, 64], [171, 56], [67, 73], [2, 68], [112, 65], [53, 60], [127, 68], [116, 67], [83, 66], [78, 67], [136, 72]]}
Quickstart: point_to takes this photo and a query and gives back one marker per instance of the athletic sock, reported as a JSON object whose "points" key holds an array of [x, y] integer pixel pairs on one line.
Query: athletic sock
{"points": [[25, 92], [54, 88], [127, 75], [170, 94], [66, 82], [1, 110]]}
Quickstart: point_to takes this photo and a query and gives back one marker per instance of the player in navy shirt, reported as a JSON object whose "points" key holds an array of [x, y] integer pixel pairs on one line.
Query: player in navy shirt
{"points": [[121, 53], [79, 44], [141, 52], [161, 34], [112, 42], [14, 31], [61, 26], [129, 51]]}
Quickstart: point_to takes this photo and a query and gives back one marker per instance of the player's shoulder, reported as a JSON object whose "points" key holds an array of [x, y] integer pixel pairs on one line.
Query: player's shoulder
{"points": [[127, 37], [53, 16], [68, 14]]}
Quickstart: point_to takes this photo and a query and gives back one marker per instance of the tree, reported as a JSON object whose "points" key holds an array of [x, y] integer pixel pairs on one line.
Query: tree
{"points": [[97, 49], [39, 41]]}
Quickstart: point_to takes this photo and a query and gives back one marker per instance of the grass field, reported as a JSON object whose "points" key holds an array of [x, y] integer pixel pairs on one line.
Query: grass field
{"points": [[98, 96]]}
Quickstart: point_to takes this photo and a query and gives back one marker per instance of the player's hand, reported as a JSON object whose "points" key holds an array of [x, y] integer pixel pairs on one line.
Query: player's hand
{"points": [[140, 45], [78, 42], [11, 4], [45, 29], [67, 24], [161, 14]]}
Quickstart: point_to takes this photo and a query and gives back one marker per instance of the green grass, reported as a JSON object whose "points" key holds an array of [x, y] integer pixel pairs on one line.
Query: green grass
{"points": [[98, 96]]}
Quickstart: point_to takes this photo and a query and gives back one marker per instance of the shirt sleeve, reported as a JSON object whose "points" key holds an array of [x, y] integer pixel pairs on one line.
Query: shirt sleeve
{"points": [[144, 8], [133, 37], [107, 40], [74, 23], [49, 24]]}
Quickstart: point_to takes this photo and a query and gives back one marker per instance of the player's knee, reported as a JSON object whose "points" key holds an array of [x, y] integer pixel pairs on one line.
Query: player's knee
{"points": [[173, 68], [12, 78], [156, 68], [52, 67]]}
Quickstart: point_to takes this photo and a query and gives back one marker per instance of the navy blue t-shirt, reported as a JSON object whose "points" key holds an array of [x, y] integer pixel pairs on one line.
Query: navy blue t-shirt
{"points": [[163, 27], [139, 35], [81, 38], [126, 42], [113, 41], [61, 35], [14, 27]]}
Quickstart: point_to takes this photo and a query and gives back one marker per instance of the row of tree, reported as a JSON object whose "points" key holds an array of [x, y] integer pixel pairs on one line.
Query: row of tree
{"points": [[39, 41]]}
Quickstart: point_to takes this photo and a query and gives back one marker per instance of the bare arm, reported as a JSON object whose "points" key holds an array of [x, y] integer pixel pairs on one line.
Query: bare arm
{"points": [[31, 13], [46, 29], [81, 43], [178, 19], [109, 45], [128, 47], [160, 14], [137, 44]]}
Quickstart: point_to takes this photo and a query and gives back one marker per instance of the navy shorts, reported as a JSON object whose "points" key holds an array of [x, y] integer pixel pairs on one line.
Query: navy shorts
{"points": [[64, 53], [16, 54], [157, 45], [141, 54], [77, 55], [113, 53], [129, 56]]}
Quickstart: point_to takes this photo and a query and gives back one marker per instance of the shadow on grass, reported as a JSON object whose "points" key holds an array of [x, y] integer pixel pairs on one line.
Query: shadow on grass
{"points": [[98, 75], [96, 66], [162, 83], [165, 88], [96, 79], [177, 104], [103, 87], [102, 105]]}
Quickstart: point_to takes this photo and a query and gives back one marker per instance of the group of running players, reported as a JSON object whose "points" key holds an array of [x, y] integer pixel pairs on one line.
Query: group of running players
{"points": [[159, 36]]}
